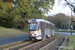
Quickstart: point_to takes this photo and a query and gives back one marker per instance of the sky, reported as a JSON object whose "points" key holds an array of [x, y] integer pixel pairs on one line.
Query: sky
{"points": [[61, 8]]}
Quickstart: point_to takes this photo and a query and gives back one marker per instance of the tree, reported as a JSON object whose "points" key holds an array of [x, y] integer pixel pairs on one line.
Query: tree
{"points": [[59, 20], [10, 1], [23, 11], [70, 3], [50, 18], [6, 14], [29, 10], [71, 6]]}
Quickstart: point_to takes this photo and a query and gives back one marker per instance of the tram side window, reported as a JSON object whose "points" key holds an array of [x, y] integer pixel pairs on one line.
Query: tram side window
{"points": [[44, 26], [53, 27], [47, 26], [39, 26], [50, 26]]}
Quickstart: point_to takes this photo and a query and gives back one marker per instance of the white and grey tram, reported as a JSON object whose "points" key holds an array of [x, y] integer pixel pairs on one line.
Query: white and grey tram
{"points": [[40, 29]]}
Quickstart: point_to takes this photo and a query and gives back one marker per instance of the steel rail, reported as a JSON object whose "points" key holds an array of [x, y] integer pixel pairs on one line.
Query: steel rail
{"points": [[32, 45], [17, 45], [49, 43], [62, 43]]}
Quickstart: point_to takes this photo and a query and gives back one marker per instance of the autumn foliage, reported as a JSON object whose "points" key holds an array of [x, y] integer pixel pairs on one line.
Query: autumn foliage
{"points": [[22, 11]]}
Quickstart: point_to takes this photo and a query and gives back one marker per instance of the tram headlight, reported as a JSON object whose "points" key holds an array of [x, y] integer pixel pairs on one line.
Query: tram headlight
{"points": [[34, 34]]}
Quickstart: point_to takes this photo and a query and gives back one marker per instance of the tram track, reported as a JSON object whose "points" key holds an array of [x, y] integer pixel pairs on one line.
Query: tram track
{"points": [[35, 44], [64, 44], [56, 44], [38, 45], [18, 45], [52, 43], [24, 45]]}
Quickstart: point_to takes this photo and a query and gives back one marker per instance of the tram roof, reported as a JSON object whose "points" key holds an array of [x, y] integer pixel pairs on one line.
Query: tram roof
{"points": [[40, 20]]}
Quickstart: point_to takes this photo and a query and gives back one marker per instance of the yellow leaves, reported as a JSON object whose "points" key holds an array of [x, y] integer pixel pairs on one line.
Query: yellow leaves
{"points": [[29, 14], [43, 0], [26, 3], [22, 0], [45, 4], [26, 10], [7, 14], [32, 1], [20, 4], [15, 16], [49, 0], [6, 6], [0, 3], [50, 7], [26, 0]]}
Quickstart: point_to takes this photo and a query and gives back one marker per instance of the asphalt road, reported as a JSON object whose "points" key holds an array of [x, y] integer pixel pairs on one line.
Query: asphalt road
{"points": [[9, 40], [13, 39]]}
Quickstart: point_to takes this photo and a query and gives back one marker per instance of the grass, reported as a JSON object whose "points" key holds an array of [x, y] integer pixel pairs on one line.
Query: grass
{"points": [[72, 41], [9, 32], [64, 31]]}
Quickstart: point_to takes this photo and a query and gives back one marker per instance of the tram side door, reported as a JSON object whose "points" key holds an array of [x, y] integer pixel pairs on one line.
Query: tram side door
{"points": [[42, 29]]}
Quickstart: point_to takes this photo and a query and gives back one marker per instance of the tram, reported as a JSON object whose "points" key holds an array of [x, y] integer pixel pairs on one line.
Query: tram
{"points": [[40, 29]]}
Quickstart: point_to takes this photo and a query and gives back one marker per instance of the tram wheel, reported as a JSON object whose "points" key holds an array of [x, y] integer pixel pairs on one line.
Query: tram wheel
{"points": [[47, 36]]}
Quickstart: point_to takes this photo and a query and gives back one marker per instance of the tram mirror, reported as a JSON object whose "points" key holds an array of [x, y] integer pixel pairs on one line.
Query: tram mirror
{"points": [[42, 27], [27, 22]]}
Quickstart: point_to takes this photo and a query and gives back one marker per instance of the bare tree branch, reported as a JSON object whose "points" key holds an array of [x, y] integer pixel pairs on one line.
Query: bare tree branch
{"points": [[71, 6], [69, 3]]}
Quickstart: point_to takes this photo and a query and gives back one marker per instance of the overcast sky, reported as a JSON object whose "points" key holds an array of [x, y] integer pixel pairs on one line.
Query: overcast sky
{"points": [[61, 8]]}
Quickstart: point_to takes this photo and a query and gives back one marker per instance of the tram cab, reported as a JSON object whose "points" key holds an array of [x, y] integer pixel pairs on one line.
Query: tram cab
{"points": [[34, 30], [39, 29]]}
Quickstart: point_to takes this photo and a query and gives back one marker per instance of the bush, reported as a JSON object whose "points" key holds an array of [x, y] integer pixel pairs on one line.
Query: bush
{"points": [[8, 23]]}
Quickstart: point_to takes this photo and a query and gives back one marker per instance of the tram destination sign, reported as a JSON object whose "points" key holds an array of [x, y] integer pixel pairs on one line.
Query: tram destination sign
{"points": [[73, 19], [33, 20]]}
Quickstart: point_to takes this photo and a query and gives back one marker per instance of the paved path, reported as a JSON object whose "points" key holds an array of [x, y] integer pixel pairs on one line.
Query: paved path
{"points": [[9, 40]]}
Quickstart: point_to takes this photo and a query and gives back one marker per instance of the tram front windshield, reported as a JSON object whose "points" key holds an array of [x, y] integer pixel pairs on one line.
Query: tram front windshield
{"points": [[33, 26]]}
